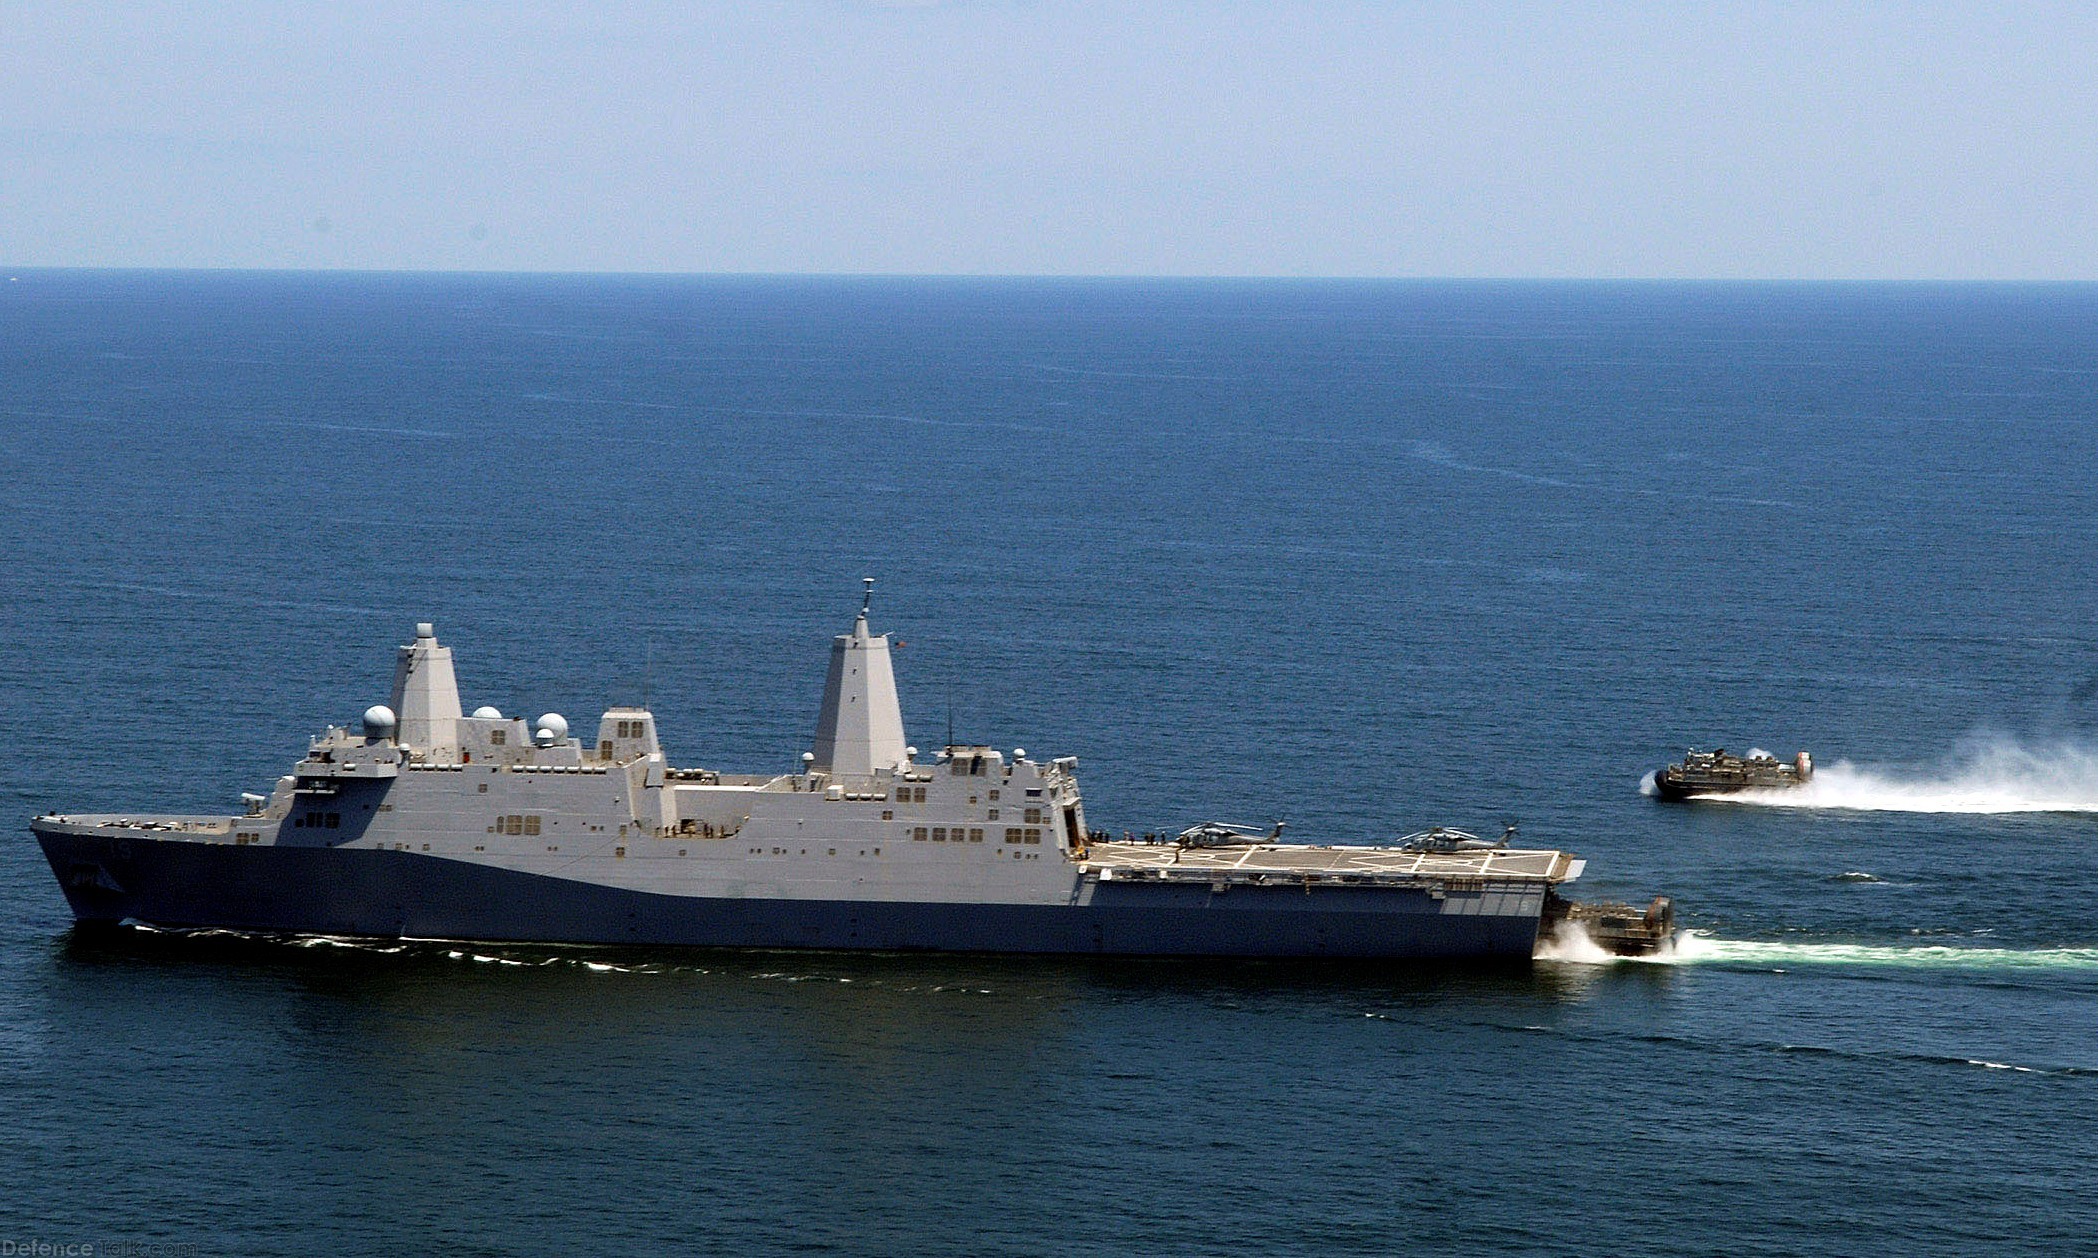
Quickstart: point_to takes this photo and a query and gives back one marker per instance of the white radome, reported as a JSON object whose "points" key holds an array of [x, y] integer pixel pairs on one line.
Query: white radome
{"points": [[378, 720], [487, 713], [553, 725]]}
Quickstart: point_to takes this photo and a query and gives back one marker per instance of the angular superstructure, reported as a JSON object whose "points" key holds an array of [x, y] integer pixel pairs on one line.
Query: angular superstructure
{"points": [[859, 730], [428, 823], [426, 697]]}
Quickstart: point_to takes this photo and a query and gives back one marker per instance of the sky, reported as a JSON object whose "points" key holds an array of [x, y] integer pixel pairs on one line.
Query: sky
{"points": [[1680, 140]]}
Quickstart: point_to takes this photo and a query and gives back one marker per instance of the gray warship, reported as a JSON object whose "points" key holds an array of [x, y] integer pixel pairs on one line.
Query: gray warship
{"points": [[1717, 773], [427, 822]]}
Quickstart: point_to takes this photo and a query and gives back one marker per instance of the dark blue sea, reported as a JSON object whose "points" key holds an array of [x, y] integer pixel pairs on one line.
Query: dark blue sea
{"points": [[1365, 556]]}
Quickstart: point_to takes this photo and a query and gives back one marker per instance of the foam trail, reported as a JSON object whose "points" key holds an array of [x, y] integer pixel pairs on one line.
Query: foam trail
{"points": [[1692, 949], [1573, 946], [1986, 775], [1571, 943]]}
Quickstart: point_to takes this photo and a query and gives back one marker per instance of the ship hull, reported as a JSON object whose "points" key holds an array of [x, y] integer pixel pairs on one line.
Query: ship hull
{"points": [[1675, 791], [1678, 792], [391, 894]]}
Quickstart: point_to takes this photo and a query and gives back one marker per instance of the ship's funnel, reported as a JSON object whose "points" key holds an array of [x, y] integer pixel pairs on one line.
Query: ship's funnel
{"points": [[426, 698], [860, 729]]}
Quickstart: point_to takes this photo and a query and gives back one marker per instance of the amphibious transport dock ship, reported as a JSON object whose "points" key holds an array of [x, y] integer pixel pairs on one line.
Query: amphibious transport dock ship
{"points": [[431, 823], [1717, 773]]}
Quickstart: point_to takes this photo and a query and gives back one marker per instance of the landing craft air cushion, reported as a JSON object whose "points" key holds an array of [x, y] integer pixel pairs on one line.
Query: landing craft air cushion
{"points": [[429, 823]]}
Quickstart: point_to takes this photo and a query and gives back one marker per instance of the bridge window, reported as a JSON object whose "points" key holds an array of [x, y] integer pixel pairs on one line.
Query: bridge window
{"points": [[919, 834], [939, 834]]}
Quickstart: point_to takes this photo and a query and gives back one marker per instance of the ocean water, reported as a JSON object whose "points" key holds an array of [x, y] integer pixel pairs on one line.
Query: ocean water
{"points": [[1364, 556]]}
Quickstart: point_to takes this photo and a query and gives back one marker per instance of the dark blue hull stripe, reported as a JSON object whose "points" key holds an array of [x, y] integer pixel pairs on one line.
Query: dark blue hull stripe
{"points": [[338, 891]]}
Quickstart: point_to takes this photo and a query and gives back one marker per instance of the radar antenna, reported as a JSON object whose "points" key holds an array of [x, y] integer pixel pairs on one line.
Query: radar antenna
{"points": [[867, 596]]}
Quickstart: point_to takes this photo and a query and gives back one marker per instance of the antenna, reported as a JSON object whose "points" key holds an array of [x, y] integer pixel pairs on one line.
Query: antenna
{"points": [[950, 716], [867, 598], [648, 670]]}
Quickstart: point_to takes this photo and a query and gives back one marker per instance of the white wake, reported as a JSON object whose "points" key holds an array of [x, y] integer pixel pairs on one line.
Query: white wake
{"points": [[1695, 948]]}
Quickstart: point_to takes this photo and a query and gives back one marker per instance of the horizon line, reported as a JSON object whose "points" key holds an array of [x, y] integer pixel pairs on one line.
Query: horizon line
{"points": [[15, 271]]}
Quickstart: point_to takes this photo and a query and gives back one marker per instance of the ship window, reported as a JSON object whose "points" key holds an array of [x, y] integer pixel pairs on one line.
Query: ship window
{"points": [[918, 795], [1034, 816], [994, 796], [531, 824], [513, 824], [1012, 834], [939, 834], [482, 788], [888, 814], [975, 835], [1034, 836], [991, 815], [618, 851], [1033, 791], [919, 834], [497, 737]]}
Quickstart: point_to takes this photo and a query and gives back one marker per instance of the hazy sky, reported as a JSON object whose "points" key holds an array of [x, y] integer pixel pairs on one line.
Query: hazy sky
{"points": [[1797, 140]]}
